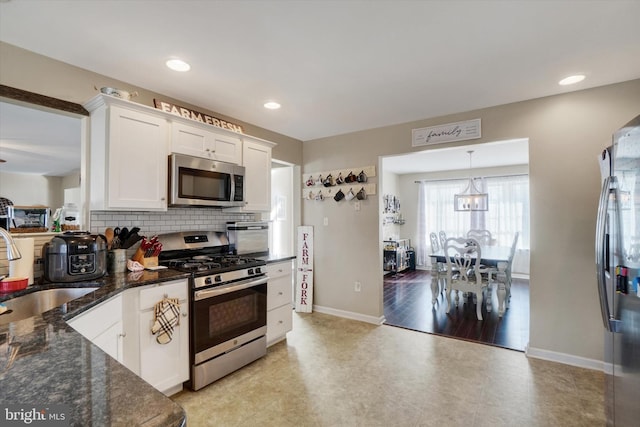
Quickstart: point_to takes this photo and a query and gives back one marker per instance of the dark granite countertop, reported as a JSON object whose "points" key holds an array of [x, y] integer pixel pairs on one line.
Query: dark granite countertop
{"points": [[44, 361]]}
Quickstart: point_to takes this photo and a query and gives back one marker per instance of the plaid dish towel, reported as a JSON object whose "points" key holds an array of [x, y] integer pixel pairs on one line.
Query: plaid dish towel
{"points": [[167, 317]]}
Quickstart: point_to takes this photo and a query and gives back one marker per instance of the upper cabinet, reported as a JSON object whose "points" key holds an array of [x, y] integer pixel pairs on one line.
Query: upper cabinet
{"points": [[129, 149], [256, 159], [200, 142], [130, 144]]}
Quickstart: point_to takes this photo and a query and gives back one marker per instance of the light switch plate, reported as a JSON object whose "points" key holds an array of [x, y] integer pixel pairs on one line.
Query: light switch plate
{"points": [[357, 205], [326, 221]]}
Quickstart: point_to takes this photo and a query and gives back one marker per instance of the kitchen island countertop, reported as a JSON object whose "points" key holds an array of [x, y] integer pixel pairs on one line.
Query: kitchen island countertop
{"points": [[44, 361]]}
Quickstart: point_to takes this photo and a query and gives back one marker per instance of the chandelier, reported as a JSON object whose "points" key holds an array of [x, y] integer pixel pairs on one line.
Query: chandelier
{"points": [[471, 199]]}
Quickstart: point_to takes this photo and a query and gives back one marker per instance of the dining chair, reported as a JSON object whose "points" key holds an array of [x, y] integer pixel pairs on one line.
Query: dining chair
{"points": [[440, 269], [464, 272], [443, 238], [482, 236], [435, 246], [512, 254]]}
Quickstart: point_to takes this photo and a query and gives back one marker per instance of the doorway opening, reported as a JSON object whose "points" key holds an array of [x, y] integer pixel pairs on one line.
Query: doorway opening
{"points": [[283, 218], [407, 295]]}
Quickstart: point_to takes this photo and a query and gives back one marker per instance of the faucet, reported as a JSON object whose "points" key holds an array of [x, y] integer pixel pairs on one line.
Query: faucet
{"points": [[12, 250]]}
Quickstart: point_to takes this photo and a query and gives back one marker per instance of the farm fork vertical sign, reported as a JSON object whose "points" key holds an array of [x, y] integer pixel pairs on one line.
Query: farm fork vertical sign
{"points": [[304, 276]]}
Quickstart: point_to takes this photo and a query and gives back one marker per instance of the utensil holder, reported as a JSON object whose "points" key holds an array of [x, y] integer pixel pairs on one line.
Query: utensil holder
{"points": [[117, 261]]}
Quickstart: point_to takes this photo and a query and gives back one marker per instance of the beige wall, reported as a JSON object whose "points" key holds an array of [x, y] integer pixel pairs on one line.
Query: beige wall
{"points": [[28, 71], [566, 133]]}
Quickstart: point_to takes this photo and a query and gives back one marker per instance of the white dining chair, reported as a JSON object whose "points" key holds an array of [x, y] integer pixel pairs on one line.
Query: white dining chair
{"points": [[443, 238], [482, 236], [440, 269], [464, 272], [512, 254]]}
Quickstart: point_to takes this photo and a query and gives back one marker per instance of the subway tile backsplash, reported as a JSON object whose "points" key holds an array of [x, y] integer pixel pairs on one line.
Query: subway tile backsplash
{"points": [[175, 219], [150, 223]]}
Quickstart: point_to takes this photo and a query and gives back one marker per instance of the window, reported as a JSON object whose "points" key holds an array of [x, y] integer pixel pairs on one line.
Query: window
{"points": [[508, 211]]}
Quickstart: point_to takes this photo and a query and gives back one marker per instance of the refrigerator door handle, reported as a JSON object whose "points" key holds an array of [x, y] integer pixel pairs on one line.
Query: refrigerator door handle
{"points": [[601, 252]]}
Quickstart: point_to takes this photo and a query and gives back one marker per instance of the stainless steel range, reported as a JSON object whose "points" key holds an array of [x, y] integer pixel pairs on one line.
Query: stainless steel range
{"points": [[228, 303]]}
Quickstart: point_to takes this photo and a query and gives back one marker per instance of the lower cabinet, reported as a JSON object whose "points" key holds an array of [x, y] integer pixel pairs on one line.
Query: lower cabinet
{"points": [[279, 301], [103, 326], [164, 366], [121, 327]]}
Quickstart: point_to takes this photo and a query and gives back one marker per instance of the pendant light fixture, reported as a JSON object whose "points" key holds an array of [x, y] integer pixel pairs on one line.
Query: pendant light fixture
{"points": [[471, 199]]}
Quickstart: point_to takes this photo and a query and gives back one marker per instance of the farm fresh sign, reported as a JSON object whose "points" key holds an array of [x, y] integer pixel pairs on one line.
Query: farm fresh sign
{"points": [[187, 113]]}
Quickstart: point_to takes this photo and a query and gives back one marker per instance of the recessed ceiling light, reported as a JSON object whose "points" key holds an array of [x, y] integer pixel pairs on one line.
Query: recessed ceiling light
{"points": [[178, 65], [571, 80], [271, 105]]}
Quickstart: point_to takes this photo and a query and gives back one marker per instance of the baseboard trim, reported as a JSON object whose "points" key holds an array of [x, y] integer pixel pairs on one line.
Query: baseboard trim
{"points": [[567, 359], [349, 315]]}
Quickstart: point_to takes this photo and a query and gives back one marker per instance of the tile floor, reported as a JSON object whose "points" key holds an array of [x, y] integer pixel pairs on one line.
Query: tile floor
{"points": [[338, 372]]}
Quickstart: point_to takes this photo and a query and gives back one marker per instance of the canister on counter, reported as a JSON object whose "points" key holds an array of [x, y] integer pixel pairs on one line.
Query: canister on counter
{"points": [[117, 261]]}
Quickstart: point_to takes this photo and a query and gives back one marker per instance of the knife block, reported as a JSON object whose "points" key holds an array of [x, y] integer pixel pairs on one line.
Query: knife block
{"points": [[146, 262], [151, 261]]}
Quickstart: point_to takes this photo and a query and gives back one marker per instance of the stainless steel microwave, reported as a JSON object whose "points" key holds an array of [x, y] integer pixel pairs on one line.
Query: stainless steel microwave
{"points": [[194, 181]]}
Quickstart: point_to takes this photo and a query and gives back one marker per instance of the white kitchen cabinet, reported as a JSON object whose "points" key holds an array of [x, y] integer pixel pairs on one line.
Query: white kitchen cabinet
{"points": [[129, 149], [256, 159], [103, 326], [279, 300], [121, 327], [164, 366], [200, 142]]}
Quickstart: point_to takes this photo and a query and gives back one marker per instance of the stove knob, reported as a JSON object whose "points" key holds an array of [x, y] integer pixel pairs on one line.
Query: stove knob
{"points": [[250, 272], [207, 281], [258, 270], [218, 279]]}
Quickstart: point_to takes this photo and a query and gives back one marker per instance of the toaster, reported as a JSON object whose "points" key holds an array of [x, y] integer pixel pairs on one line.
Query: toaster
{"points": [[74, 256]]}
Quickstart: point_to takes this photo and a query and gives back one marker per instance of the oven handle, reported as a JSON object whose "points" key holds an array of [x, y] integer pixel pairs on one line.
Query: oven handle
{"points": [[231, 287]]}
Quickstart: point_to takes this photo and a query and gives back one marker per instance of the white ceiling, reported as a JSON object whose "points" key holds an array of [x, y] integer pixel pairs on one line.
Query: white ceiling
{"points": [[337, 66], [38, 142]]}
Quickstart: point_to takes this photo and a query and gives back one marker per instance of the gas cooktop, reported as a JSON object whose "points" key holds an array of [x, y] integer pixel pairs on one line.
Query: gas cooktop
{"points": [[212, 264]]}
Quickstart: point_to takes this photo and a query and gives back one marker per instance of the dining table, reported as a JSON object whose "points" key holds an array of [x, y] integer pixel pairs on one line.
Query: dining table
{"points": [[494, 257]]}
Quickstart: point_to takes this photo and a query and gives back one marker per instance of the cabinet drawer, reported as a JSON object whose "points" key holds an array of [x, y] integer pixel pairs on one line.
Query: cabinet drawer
{"points": [[279, 322], [176, 289], [279, 269], [279, 292]]}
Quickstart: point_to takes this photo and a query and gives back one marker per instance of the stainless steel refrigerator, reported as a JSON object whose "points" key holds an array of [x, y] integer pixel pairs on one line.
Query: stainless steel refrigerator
{"points": [[618, 270]]}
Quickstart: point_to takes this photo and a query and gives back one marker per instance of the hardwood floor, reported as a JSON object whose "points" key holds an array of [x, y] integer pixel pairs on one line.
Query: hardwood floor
{"points": [[407, 304]]}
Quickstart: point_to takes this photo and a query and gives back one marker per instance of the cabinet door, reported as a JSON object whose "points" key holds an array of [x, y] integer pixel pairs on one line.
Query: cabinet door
{"points": [[195, 141], [102, 325], [228, 148], [256, 158], [164, 365], [111, 341], [188, 140], [137, 163]]}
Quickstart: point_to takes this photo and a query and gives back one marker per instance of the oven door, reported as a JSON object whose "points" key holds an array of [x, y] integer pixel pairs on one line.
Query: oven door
{"points": [[228, 316]]}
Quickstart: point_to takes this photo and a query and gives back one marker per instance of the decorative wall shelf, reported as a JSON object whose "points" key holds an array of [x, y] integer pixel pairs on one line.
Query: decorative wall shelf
{"points": [[313, 183]]}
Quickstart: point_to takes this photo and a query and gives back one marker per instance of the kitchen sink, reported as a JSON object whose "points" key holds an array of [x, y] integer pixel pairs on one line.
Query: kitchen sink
{"points": [[38, 302]]}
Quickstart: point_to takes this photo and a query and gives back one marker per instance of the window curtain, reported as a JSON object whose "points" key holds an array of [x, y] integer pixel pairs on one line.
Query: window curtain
{"points": [[508, 211], [423, 245]]}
